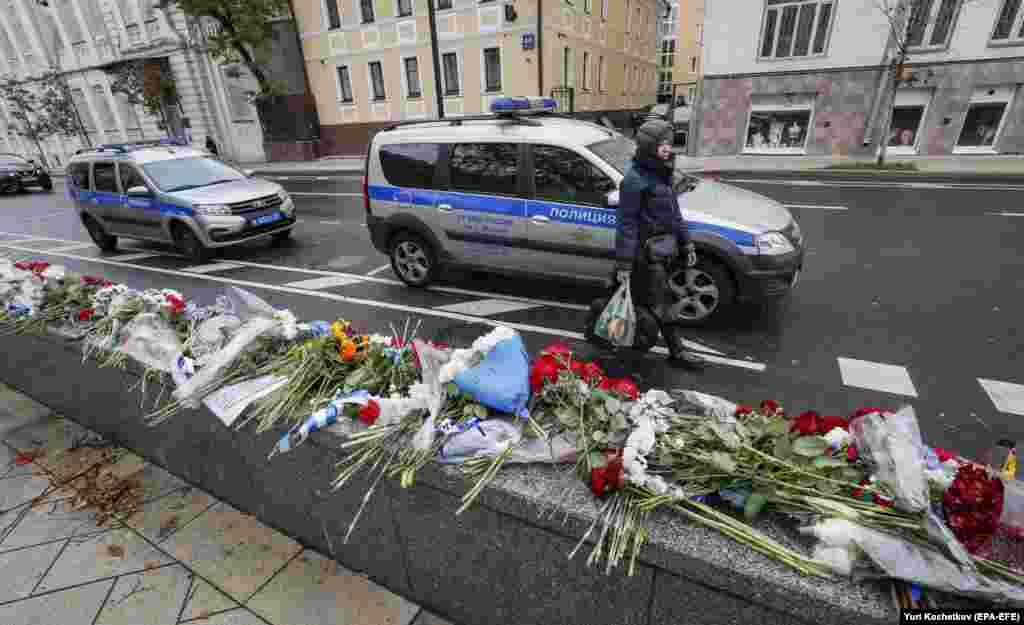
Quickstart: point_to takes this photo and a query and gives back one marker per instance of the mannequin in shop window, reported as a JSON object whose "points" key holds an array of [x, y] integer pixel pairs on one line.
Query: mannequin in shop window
{"points": [[793, 133], [776, 134]]}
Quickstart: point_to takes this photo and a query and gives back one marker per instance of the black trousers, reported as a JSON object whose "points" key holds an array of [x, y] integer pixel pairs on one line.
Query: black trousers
{"points": [[649, 284]]}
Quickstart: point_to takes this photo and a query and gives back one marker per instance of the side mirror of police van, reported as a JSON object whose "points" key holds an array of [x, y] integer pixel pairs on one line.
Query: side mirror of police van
{"points": [[139, 191], [612, 199], [249, 173]]}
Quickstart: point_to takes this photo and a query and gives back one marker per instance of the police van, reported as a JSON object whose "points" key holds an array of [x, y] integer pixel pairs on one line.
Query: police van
{"points": [[527, 191], [164, 191]]}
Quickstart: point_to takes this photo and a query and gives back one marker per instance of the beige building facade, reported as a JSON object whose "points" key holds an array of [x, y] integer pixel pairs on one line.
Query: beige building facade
{"points": [[371, 62], [681, 51]]}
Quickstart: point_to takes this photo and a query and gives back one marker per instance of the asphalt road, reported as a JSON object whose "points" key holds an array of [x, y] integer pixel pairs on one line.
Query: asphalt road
{"points": [[909, 296]]}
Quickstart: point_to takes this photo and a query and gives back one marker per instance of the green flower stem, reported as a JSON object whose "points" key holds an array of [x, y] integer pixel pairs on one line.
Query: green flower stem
{"points": [[470, 497], [790, 467]]}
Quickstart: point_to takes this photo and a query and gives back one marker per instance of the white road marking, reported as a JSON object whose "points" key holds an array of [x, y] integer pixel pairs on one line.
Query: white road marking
{"points": [[331, 223], [212, 267], [1006, 214], [821, 206], [281, 177], [426, 312], [322, 283], [694, 345], [138, 256], [1007, 396], [876, 376], [380, 269], [487, 307], [314, 194], [323, 177], [68, 248]]}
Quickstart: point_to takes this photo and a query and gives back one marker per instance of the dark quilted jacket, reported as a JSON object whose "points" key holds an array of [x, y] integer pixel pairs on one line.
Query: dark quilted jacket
{"points": [[647, 206]]}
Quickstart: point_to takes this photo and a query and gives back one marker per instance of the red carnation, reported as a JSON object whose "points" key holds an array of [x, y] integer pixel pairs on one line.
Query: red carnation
{"points": [[606, 384], [368, 414], [943, 454], [611, 478], [545, 369], [598, 482], [21, 265], [177, 304], [827, 424], [591, 372], [769, 407], [852, 454], [90, 280], [743, 410], [973, 503], [625, 388], [806, 424], [86, 314]]}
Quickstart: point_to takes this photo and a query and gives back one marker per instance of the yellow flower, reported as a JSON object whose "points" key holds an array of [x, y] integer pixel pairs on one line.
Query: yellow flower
{"points": [[339, 329]]}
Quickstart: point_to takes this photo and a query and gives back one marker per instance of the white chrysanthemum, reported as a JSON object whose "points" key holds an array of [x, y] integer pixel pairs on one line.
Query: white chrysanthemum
{"points": [[837, 438], [380, 339]]}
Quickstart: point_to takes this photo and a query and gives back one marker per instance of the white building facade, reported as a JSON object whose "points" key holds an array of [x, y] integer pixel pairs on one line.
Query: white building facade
{"points": [[807, 77], [77, 38]]}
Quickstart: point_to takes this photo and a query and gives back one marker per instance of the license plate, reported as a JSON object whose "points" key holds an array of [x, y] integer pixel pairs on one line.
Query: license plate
{"points": [[263, 220]]}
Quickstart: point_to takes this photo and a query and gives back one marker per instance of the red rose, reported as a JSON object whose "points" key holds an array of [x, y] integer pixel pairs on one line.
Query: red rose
{"points": [[943, 455], [852, 454], [806, 424], [625, 388], [107, 283], [177, 304], [769, 407], [883, 502], [90, 280], [576, 367], [743, 410], [865, 411], [973, 503], [544, 370], [827, 424], [560, 351], [598, 482], [21, 265], [86, 314], [606, 384], [591, 372], [369, 413], [39, 266]]}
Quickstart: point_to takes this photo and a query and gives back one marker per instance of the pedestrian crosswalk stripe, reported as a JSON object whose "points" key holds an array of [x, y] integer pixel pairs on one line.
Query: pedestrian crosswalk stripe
{"points": [[876, 376], [487, 307], [323, 283], [1007, 396]]}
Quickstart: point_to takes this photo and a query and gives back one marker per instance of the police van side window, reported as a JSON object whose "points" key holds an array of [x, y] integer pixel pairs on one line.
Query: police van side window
{"points": [[561, 175], [412, 165], [490, 168], [79, 173], [103, 178], [130, 177]]}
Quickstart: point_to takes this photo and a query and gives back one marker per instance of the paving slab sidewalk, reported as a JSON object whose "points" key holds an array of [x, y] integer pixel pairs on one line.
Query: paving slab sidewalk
{"points": [[91, 534]]}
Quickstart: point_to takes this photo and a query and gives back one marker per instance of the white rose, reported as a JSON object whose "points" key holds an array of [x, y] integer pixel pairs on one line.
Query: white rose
{"points": [[837, 437]]}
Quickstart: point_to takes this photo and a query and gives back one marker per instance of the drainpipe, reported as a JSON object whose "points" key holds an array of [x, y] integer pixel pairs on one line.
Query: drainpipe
{"points": [[438, 80], [540, 48]]}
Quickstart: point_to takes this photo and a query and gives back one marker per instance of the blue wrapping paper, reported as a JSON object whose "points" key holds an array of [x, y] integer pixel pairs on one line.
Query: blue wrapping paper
{"points": [[502, 380]]}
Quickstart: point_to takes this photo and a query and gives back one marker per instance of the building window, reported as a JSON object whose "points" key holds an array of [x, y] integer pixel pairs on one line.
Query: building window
{"points": [[931, 23], [700, 34], [778, 125], [444, 4], [404, 8], [984, 120], [366, 6], [377, 80], [604, 9], [412, 77], [908, 114], [333, 16], [1010, 25], [794, 28], [344, 85], [492, 69], [568, 67], [451, 73], [586, 63], [600, 74], [588, 6]]}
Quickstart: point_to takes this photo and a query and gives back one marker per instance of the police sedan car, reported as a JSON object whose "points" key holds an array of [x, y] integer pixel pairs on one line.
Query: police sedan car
{"points": [[526, 191]]}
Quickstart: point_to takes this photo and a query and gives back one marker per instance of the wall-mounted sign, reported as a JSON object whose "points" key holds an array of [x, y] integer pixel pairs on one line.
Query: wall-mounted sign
{"points": [[529, 41]]}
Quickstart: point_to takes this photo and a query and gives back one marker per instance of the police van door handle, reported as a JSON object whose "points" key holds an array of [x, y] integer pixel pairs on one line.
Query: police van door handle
{"points": [[541, 220], [444, 208]]}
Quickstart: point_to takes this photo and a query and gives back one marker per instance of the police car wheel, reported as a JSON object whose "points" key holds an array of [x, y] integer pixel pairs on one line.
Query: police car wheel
{"points": [[102, 240], [189, 244], [700, 293], [413, 259]]}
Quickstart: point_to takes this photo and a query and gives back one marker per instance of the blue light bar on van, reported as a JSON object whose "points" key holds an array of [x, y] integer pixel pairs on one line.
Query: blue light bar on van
{"points": [[523, 106]]}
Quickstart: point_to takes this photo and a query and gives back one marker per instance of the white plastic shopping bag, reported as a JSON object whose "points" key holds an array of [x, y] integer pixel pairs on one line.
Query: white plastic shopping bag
{"points": [[617, 323]]}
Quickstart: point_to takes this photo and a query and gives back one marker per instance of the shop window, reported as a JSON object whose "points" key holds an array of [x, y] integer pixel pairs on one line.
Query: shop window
{"points": [[795, 28], [908, 115], [984, 119], [778, 125]]}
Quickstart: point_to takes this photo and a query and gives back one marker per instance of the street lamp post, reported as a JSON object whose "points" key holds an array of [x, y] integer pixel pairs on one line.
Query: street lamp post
{"points": [[438, 79]]}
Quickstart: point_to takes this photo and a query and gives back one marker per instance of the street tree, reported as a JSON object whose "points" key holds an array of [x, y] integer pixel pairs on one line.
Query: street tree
{"points": [[909, 22], [245, 34], [57, 106], [25, 108], [128, 79]]}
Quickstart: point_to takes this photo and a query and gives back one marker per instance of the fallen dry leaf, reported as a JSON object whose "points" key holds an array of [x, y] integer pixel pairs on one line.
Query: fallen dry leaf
{"points": [[115, 551], [204, 614]]}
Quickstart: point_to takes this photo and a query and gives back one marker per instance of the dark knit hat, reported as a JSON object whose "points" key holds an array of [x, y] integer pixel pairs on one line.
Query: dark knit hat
{"points": [[650, 135]]}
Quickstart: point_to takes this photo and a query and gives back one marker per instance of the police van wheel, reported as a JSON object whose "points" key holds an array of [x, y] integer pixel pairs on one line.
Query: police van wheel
{"points": [[701, 293], [189, 244], [104, 241], [413, 259]]}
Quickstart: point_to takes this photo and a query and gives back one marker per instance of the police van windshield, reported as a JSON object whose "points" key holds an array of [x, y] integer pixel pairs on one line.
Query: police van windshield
{"points": [[618, 153], [180, 174]]}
